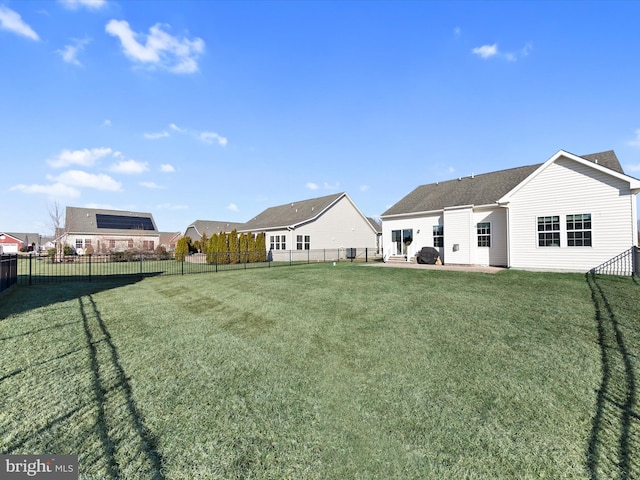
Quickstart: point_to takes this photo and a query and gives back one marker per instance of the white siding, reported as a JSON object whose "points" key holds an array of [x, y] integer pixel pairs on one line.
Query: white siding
{"points": [[565, 188], [340, 226], [496, 255], [458, 236], [422, 233]]}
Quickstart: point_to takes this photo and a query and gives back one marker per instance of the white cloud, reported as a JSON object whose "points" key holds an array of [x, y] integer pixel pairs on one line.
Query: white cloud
{"points": [[212, 137], [457, 32], [632, 168], [70, 52], [636, 141], [151, 185], [90, 4], [178, 55], [11, 21], [327, 186], [56, 190], [106, 123], [78, 178], [364, 188], [129, 167], [167, 168], [85, 157], [486, 51], [233, 207], [312, 186], [156, 135], [204, 136]]}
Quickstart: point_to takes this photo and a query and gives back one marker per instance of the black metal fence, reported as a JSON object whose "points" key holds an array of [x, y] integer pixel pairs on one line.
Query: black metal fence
{"points": [[627, 263], [8, 271], [33, 269]]}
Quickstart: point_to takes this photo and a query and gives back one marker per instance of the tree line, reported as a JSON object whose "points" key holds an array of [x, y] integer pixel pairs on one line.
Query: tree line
{"points": [[225, 248]]}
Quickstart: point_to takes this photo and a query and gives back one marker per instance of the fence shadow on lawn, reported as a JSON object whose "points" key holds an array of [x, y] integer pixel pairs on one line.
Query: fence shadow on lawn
{"points": [[71, 289], [101, 411], [111, 386], [614, 444]]}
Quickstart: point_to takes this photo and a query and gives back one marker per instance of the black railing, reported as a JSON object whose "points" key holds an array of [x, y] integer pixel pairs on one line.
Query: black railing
{"points": [[33, 269], [626, 263], [8, 271]]}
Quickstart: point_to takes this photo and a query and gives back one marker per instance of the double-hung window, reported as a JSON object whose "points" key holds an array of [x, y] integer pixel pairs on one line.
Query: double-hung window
{"points": [[278, 242], [483, 230], [549, 231], [438, 235], [303, 242], [579, 230]]}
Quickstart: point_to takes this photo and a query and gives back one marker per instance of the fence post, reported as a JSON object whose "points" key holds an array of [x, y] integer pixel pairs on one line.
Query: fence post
{"points": [[30, 256], [636, 261], [366, 255], [89, 267]]}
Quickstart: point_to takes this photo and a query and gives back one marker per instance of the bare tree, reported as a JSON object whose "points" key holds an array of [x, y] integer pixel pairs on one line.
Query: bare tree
{"points": [[57, 224], [56, 218]]}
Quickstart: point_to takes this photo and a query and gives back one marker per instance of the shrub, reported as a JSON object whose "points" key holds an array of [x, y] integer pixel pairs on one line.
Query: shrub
{"points": [[182, 249]]}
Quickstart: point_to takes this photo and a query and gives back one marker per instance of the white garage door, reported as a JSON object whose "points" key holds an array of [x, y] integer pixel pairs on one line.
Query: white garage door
{"points": [[9, 248]]}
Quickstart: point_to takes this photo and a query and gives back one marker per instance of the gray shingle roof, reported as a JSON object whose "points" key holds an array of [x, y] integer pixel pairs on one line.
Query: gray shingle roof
{"points": [[290, 214], [212, 227], [483, 189], [83, 220]]}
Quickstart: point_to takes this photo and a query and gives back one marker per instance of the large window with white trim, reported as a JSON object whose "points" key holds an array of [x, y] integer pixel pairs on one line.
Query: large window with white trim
{"points": [[579, 230], [549, 231], [303, 242], [438, 235], [277, 242], [483, 230]]}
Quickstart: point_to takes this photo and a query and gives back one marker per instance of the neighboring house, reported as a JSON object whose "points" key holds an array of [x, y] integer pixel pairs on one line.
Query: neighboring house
{"points": [[209, 228], [108, 231], [378, 228], [571, 213], [169, 240], [14, 242], [330, 222]]}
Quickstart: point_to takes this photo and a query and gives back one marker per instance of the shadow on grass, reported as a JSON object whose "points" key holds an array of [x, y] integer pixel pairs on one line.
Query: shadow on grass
{"points": [[22, 298], [613, 451], [98, 418], [141, 442]]}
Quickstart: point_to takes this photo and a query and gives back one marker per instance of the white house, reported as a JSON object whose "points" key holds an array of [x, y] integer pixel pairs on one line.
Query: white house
{"points": [[330, 222], [570, 213]]}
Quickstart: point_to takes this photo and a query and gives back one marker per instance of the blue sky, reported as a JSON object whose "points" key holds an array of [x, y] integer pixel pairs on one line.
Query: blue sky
{"points": [[217, 110]]}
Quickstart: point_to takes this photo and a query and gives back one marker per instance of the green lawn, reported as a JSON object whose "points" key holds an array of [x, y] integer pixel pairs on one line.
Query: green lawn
{"points": [[323, 372]]}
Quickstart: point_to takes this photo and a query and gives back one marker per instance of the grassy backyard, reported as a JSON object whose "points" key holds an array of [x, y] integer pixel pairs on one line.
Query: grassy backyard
{"points": [[327, 372]]}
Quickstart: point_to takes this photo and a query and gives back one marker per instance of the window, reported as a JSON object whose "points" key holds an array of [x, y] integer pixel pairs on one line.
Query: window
{"points": [[130, 243], [438, 235], [549, 231], [78, 243], [147, 244], [87, 241], [303, 242], [112, 243], [277, 242], [579, 230], [396, 236], [484, 234]]}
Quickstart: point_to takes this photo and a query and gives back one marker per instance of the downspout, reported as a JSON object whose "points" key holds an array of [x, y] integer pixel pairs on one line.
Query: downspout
{"points": [[508, 239]]}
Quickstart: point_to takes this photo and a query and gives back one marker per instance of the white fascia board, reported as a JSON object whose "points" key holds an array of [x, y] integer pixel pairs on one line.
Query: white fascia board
{"points": [[459, 207], [411, 214], [634, 184]]}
